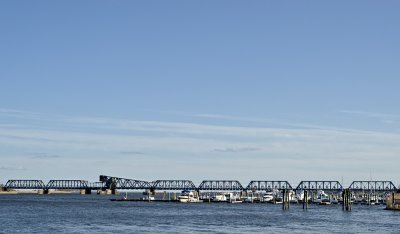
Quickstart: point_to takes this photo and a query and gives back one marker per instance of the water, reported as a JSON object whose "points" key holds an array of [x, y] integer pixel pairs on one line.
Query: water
{"points": [[96, 213]]}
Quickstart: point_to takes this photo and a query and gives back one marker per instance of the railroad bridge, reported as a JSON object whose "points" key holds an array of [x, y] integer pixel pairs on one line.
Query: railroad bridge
{"points": [[110, 184]]}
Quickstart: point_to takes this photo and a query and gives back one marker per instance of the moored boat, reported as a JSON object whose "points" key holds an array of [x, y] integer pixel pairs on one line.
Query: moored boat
{"points": [[188, 196]]}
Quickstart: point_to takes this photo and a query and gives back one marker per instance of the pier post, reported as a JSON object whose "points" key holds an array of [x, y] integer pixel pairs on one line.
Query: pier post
{"points": [[346, 196], [283, 199], [285, 203], [393, 200], [344, 199], [305, 200]]}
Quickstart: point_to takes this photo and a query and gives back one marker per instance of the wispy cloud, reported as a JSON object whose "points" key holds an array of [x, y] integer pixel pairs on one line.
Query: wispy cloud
{"points": [[10, 168], [366, 113], [44, 156], [382, 117], [237, 150], [131, 152]]}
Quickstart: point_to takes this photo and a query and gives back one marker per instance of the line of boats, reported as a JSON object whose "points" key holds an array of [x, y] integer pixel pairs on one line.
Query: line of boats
{"points": [[276, 197]]}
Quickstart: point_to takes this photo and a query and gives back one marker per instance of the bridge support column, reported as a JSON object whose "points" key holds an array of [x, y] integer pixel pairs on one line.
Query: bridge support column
{"points": [[43, 191], [85, 191], [107, 192]]}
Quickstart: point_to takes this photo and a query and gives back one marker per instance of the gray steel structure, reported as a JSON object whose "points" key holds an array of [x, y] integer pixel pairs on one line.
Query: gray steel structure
{"points": [[25, 184], [320, 185], [173, 185], [67, 184], [113, 183], [378, 186], [220, 185], [265, 185]]}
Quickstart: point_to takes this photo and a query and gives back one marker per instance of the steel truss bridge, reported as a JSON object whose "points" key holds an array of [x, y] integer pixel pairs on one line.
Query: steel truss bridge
{"points": [[381, 186], [258, 185], [117, 183], [220, 185], [320, 185]]}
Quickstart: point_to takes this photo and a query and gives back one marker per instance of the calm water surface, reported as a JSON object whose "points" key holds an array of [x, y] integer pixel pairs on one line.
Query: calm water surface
{"points": [[96, 213]]}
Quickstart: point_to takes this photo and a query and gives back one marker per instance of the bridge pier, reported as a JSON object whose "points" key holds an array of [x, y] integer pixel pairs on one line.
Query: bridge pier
{"points": [[43, 191], [107, 192], [85, 191]]}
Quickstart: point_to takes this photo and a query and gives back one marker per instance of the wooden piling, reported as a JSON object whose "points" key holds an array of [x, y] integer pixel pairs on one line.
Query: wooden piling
{"points": [[285, 203], [346, 196], [305, 200]]}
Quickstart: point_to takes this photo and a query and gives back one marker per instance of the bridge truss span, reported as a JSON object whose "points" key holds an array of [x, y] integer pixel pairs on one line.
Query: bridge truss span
{"points": [[173, 185], [320, 185], [25, 184], [67, 184], [220, 185], [122, 183], [378, 186], [265, 185]]}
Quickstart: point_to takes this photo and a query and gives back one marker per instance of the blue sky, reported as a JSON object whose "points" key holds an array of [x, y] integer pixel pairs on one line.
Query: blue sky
{"points": [[213, 89]]}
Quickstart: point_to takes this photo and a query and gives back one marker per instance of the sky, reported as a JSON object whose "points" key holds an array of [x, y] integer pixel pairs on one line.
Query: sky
{"points": [[244, 90]]}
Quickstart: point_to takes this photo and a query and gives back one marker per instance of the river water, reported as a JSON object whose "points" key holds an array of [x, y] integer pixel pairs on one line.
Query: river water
{"points": [[96, 213]]}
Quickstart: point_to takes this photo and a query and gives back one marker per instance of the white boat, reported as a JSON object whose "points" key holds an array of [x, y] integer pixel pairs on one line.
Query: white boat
{"points": [[189, 196], [334, 200], [226, 197], [268, 197], [250, 199], [322, 198], [278, 199], [293, 197], [233, 198], [148, 198], [219, 197]]}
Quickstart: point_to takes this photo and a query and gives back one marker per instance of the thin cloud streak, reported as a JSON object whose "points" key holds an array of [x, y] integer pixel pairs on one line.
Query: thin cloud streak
{"points": [[237, 150], [10, 168], [382, 117]]}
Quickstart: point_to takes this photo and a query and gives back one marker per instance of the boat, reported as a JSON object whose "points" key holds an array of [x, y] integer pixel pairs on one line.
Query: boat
{"points": [[189, 196], [334, 200], [219, 197], [250, 199], [268, 197], [293, 197], [226, 197], [233, 198], [322, 198], [147, 198], [278, 197]]}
